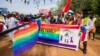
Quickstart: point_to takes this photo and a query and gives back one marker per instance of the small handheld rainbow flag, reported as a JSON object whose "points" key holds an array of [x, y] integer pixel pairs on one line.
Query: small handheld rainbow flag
{"points": [[25, 38], [84, 30]]}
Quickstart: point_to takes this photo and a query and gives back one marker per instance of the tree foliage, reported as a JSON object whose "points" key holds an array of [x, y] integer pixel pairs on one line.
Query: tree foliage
{"points": [[80, 5]]}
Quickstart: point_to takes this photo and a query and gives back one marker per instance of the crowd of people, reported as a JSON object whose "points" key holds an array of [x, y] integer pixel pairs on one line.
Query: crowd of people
{"points": [[84, 20]]}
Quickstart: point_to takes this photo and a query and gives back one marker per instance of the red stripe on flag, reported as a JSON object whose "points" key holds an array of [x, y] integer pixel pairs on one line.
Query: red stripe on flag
{"points": [[83, 36]]}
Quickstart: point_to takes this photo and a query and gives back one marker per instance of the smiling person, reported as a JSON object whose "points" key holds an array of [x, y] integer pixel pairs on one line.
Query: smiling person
{"points": [[70, 20], [86, 26]]}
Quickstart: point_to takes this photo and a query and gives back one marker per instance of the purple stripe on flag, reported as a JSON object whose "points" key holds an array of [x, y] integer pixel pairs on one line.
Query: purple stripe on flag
{"points": [[21, 50], [55, 42]]}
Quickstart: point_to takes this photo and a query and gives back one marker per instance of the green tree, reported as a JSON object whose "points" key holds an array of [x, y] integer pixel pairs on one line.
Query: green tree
{"points": [[80, 5], [98, 7]]}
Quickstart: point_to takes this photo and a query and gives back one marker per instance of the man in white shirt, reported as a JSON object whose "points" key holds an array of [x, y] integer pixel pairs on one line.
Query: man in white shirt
{"points": [[93, 29], [11, 22]]}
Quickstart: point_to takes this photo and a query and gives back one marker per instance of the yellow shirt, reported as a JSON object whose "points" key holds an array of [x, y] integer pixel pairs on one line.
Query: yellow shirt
{"points": [[1, 18]]}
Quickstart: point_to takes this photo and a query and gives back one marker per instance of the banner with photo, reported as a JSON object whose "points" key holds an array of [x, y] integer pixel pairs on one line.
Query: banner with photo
{"points": [[66, 36]]}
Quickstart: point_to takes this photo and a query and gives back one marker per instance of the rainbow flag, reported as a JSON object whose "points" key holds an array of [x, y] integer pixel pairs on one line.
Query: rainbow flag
{"points": [[84, 30], [48, 30], [25, 38]]}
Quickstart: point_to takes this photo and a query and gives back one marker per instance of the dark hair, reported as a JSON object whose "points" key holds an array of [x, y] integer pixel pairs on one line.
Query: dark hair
{"points": [[91, 16], [71, 18], [85, 13]]}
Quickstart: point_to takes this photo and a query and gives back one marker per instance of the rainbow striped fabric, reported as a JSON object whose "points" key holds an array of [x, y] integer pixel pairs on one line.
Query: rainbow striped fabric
{"points": [[48, 30], [25, 38], [54, 34]]}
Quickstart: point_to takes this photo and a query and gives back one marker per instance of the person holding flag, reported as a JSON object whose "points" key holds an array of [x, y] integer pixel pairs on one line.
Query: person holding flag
{"points": [[11, 22], [86, 26]]}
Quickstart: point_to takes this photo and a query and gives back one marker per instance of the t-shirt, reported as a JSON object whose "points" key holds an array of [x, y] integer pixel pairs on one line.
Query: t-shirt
{"points": [[11, 22]]}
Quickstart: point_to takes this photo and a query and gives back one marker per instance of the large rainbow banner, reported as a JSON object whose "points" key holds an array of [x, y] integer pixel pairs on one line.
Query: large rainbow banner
{"points": [[66, 36], [25, 38]]}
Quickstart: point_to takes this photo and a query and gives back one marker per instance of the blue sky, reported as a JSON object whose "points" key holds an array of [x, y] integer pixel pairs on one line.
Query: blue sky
{"points": [[19, 6]]}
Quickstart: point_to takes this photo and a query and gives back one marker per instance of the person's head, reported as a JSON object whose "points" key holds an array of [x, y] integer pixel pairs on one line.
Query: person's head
{"points": [[17, 16], [43, 17], [71, 18], [59, 15], [13, 15], [92, 16], [78, 14], [40, 14], [51, 16], [9, 15], [85, 13]]}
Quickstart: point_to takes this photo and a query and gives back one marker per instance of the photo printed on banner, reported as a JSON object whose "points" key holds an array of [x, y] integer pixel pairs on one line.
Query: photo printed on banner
{"points": [[68, 36]]}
